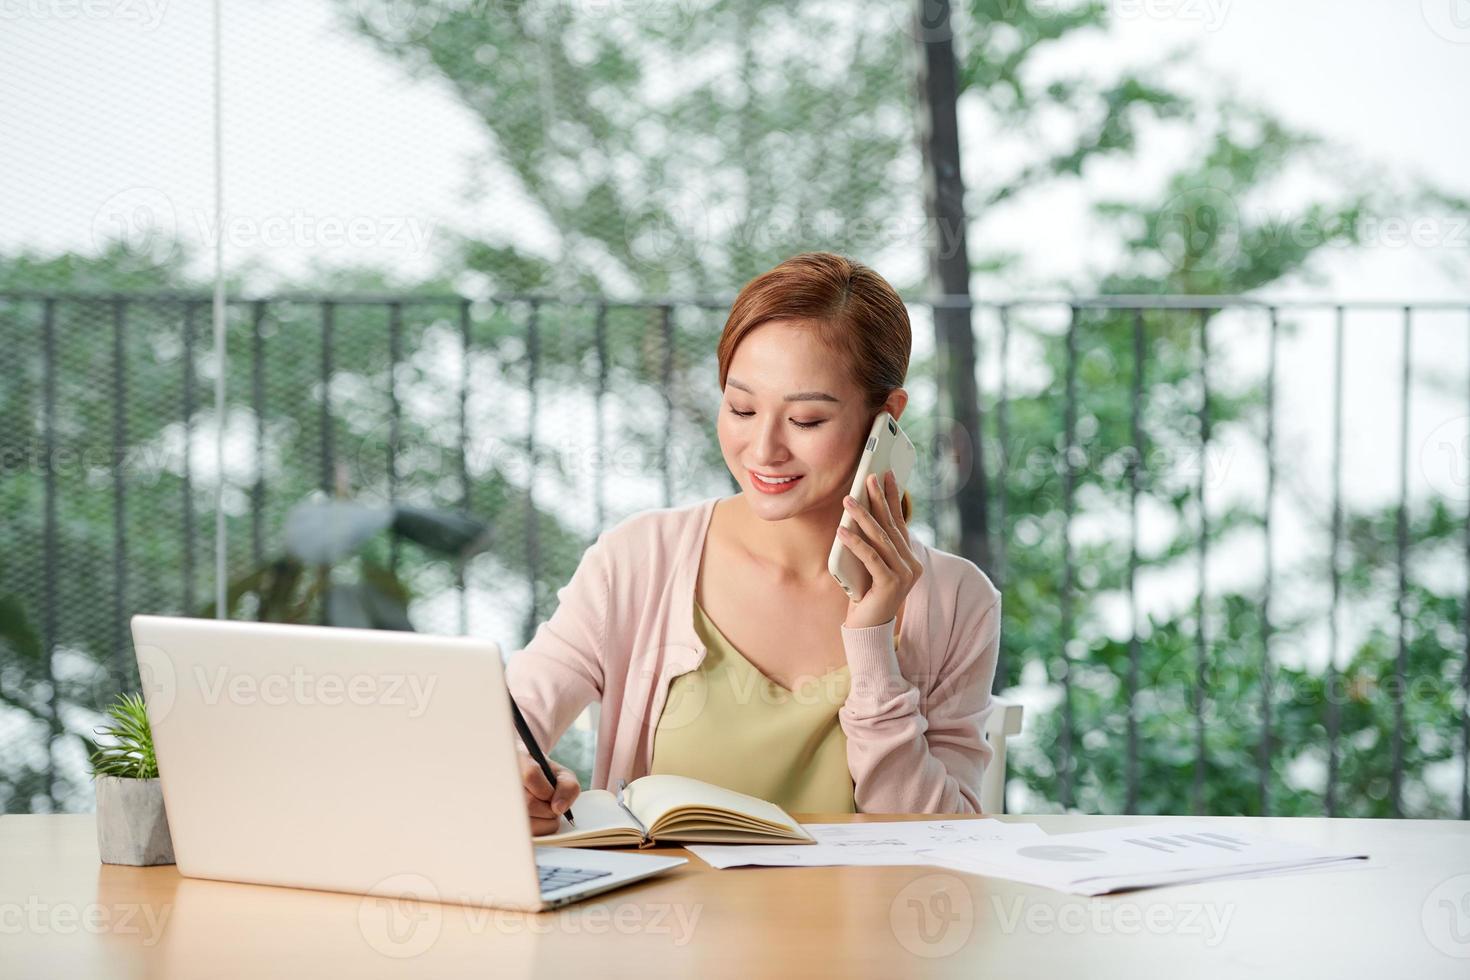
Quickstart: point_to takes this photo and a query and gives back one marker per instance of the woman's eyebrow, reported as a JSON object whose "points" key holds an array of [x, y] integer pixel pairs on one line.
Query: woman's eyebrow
{"points": [[799, 396]]}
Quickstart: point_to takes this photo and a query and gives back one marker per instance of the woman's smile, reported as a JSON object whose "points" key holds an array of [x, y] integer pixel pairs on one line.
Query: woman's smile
{"points": [[772, 483]]}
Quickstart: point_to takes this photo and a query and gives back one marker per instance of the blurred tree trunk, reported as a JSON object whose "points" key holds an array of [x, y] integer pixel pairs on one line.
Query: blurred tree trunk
{"points": [[949, 265]]}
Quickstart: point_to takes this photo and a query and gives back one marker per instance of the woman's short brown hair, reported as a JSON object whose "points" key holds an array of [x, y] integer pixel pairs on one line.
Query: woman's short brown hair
{"points": [[854, 311]]}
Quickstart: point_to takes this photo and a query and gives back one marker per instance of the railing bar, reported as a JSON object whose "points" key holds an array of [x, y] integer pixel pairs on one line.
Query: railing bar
{"points": [[936, 519], [1402, 543], [1069, 439], [395, 417], [1003, 439], [1122, 301], [464, 465], [1197, 791], [1465, 687], [666, 378], [120, 645], [48, 575], [329, 314], [1333, 717], [190, 310], [1134, 476], [533, 535], [1264, 781], [257, 408], [599, 491]]}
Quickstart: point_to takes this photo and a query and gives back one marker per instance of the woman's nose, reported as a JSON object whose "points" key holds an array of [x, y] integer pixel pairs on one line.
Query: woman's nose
{"points": [[769, 445]]}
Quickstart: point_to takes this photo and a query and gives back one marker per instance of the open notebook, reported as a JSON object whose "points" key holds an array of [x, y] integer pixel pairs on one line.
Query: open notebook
{"points": [[663, 808]]}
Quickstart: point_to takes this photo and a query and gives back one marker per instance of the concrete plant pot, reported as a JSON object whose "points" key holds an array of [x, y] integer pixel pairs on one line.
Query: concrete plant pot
{"points": [[132, 824]]}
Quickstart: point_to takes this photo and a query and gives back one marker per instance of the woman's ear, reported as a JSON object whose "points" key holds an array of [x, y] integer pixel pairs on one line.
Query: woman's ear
{"points": [[896, 402]]}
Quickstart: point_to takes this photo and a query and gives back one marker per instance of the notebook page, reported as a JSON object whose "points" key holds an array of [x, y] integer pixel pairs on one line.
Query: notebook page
{"points": [[654, 797]]}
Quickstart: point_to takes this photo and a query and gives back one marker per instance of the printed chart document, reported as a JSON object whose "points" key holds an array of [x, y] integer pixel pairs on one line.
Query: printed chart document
{"points": [[895, 842], [1088, 863], [1101, 861]]}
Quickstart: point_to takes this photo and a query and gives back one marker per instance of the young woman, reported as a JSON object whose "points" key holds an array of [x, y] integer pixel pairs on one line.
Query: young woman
{"points": [[715, 640]]}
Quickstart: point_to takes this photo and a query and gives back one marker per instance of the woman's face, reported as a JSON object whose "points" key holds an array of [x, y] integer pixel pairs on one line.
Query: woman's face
{"points": [[816, 437]]}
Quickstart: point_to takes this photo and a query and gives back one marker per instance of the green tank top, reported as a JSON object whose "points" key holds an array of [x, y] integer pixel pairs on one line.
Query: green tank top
{"points": [[728, 724]]}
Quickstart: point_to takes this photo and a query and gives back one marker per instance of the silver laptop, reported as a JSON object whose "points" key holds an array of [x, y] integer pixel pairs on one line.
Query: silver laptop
{"points": [[364, 761]]}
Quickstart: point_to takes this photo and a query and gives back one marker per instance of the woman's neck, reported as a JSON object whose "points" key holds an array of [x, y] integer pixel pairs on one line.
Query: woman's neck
{"points": [[793, 550]]}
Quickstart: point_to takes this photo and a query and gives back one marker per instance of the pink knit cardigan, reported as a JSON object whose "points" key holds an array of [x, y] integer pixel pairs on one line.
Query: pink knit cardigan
{"points": [[624, 630]]}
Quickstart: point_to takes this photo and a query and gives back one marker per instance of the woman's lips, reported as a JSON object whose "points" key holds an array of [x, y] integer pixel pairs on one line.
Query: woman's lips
{"points": [[764, 487]]}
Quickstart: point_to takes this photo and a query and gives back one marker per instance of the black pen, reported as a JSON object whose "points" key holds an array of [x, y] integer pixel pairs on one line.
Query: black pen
{"points": [[534, 749]]}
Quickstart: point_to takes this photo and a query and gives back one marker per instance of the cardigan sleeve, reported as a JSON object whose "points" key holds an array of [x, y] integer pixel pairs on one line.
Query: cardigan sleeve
{"points": [[910, 753], [560, 671]]}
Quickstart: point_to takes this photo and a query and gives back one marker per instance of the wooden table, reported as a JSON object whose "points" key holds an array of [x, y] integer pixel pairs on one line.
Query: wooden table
{"points": [[64, 914]]}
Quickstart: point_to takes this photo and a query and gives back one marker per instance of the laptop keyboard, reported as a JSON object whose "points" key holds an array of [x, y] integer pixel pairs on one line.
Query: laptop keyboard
{"points": [[553, 877]]}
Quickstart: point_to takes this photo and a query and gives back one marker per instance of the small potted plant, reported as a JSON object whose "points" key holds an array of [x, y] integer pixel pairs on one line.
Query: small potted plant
{"points": [[132, 824]]}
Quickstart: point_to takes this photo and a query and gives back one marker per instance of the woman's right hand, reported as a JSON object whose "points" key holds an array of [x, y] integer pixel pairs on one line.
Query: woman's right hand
{"points": [[546, 803]]}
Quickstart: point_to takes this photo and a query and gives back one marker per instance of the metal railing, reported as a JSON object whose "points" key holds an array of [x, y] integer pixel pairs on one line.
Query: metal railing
{"points": [[127, 367]]}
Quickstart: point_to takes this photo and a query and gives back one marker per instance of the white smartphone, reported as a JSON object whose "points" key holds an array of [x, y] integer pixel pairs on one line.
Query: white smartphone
{"points": [[887, 449]]}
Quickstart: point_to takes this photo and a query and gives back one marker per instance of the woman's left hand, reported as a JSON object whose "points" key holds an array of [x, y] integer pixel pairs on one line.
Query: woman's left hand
{"points": [[881, 542]]}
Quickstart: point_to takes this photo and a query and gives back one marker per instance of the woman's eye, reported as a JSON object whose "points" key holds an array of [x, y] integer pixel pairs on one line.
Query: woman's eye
{"points": [[799, 425]]}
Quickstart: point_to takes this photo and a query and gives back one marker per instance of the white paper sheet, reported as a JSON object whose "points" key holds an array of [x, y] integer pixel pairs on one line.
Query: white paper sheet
{"points": [[1088, 863], [1101, 861], [893, 842]]}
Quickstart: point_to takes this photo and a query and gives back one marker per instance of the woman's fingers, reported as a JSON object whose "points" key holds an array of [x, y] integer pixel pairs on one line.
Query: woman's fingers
{"points": [[541, 826], [543, 801], [876, 535], [866, 554], [534, 779], [567, 788], [900, 534]]}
